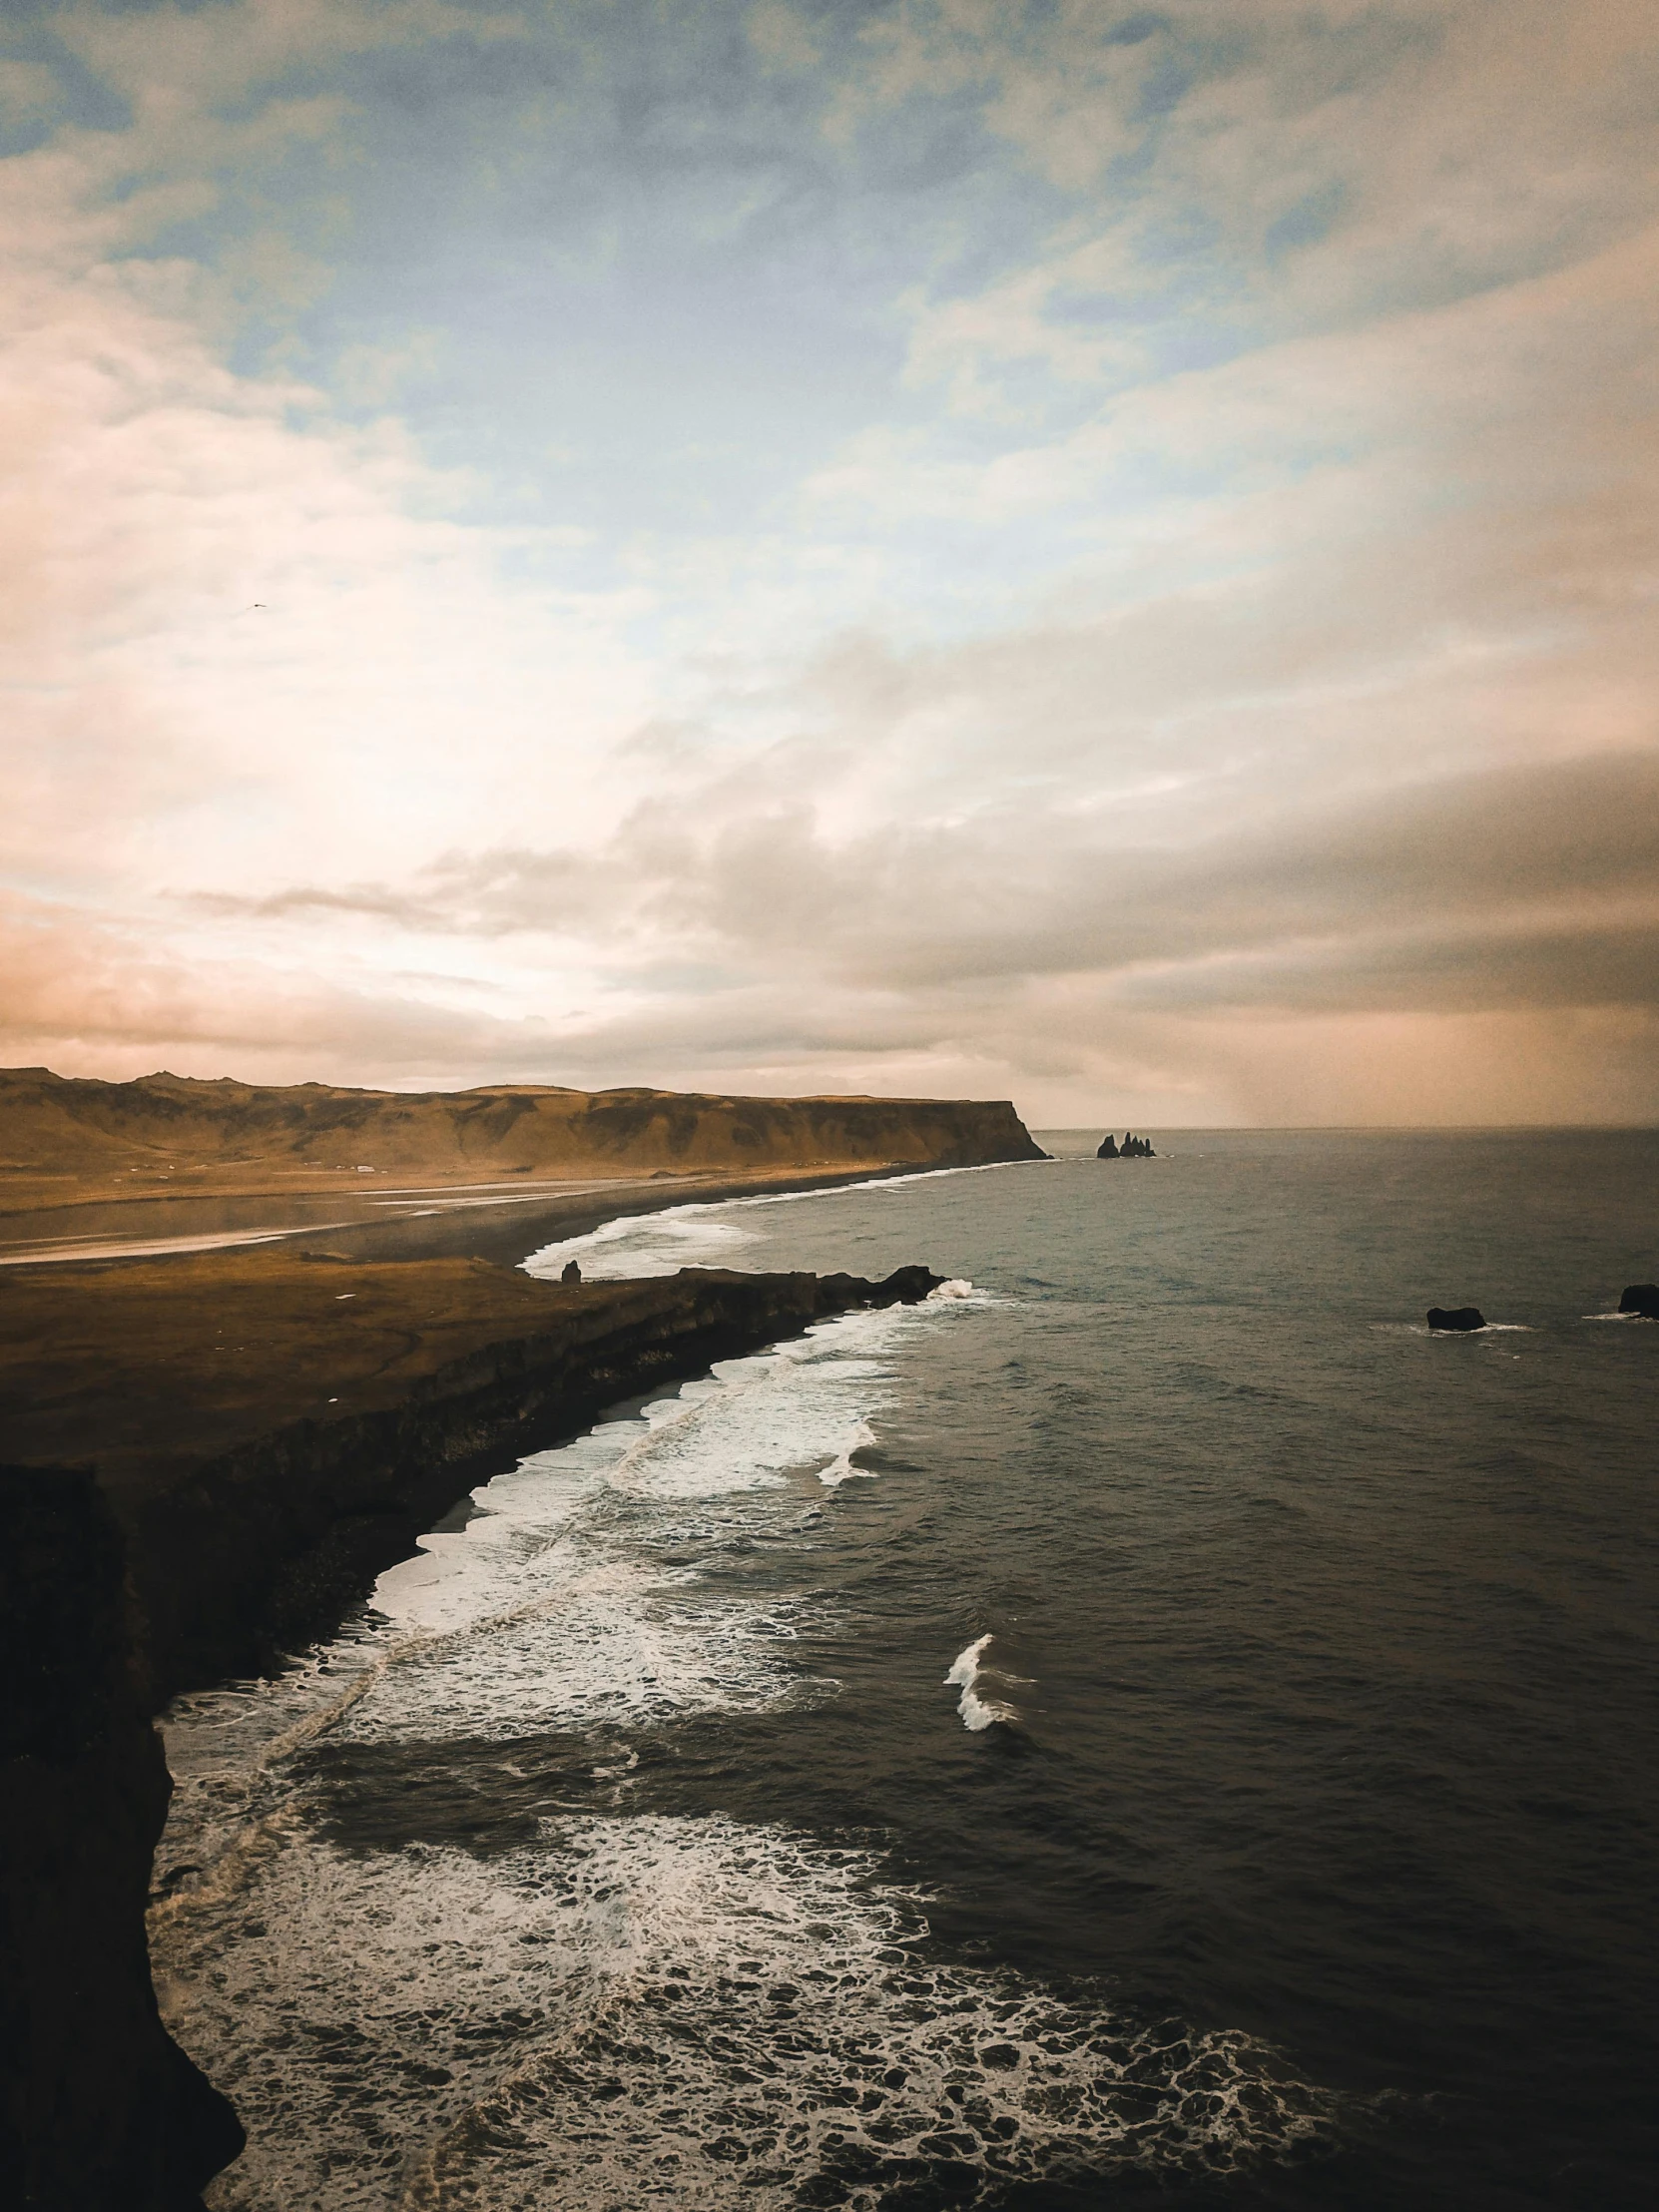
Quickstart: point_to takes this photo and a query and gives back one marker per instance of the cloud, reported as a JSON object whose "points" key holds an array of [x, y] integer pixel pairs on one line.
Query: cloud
{"points": [[243, 625], [1519, 895], [181, 59], [84, 999], [1102, 556]]}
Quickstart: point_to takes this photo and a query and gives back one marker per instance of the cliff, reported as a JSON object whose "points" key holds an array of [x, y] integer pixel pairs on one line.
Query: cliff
{"points": [[163, 1126], [272, 1430], [265, 1433], [99, 2108]]}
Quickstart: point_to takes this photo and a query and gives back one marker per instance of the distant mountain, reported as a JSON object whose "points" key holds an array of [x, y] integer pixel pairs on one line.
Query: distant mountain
{"points": [[83, 1125]]}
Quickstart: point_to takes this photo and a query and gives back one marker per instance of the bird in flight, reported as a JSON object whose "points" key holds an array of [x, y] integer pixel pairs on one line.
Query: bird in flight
{"points": [[257, 608]]}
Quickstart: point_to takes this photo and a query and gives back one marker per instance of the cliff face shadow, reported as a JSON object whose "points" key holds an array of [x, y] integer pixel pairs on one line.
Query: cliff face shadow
{"points": [[97, 2106]]}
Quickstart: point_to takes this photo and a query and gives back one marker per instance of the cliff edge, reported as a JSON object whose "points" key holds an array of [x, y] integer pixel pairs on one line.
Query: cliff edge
{"points": [[99, 2108], [214, 1457], [167, 1129], [271, 1427]]}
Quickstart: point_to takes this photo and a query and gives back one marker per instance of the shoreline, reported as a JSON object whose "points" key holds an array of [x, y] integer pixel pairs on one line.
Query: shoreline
{"points": [[252, 1529], [271, 1428], [459, 1224], [85, 1143], [211, 1452]]}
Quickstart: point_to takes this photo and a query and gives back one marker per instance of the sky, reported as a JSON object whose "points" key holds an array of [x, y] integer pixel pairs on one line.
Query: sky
{"points": [[1096, 554]]}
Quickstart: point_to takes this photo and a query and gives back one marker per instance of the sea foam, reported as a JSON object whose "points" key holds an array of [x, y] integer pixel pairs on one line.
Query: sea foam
{"points": [[691, 2012], [967, 1674], [631, 2009], [689, 1235]]}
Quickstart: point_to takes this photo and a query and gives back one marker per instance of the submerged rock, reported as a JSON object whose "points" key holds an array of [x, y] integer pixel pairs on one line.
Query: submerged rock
{"points": [[1457, 1319], [1640, 1297]]}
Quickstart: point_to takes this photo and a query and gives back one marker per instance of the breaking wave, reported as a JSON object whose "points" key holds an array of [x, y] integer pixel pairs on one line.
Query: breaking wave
{"points": [[689, 1235], [978, 1704], [645, 1243], [613, 2010]]}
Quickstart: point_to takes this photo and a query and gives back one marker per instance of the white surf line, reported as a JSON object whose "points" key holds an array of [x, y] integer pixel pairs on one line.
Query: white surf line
{"points": [[874, 1183], [609, 1455], [562, 1245]]}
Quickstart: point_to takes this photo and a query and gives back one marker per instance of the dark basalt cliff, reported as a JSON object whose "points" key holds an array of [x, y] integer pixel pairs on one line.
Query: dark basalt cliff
{"points": [[98, 2106], [261, 1435], [1132, 1148]]}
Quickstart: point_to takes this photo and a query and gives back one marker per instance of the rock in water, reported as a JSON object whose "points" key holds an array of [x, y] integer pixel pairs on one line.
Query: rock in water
{"points": [[1461, 1318], [1108, 1147], [1640, 1297], [571, 1272]]}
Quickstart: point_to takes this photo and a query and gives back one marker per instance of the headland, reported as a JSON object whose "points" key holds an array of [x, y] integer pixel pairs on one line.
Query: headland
{"points": [[68, 1142], [209, 1454]]}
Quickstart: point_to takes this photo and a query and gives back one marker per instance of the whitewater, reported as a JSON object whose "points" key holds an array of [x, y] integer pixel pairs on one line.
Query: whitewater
{"points": [[1064, 1740]]}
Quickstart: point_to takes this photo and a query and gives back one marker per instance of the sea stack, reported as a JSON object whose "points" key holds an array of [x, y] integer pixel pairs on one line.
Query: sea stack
{"points": [[1132, 1148], [1108, 1147], [1640, 1297], [1455, 1320]]}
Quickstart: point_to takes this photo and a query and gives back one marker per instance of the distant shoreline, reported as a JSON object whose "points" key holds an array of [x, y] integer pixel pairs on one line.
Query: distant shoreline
{"points": [[459, 1224]]}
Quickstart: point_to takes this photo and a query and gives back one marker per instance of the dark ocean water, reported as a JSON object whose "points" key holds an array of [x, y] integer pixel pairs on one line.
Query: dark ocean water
{"points": [[1288, 1843]]}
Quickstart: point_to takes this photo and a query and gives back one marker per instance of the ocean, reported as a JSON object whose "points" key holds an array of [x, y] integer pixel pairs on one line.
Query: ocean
{"points": [[1152, 1725]]}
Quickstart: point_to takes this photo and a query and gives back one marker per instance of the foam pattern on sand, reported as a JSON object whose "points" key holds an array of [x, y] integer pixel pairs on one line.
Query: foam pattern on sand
{"points": [[573, 1598]]}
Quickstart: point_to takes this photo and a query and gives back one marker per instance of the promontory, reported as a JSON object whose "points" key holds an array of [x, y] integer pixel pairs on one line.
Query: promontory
{"points": [[231, 1395]]}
